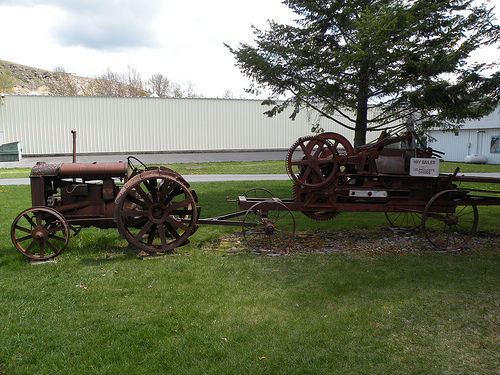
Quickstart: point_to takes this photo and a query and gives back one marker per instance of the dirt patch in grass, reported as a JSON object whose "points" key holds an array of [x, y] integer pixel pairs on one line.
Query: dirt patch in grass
{"points": [[367, 242]]}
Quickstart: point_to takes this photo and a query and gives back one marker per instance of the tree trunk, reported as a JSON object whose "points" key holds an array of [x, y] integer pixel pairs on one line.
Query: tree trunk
{"points": [[360, 129], [362, 106]]}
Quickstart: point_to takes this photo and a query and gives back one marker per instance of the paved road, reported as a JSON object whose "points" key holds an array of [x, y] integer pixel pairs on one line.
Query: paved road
{"points": [[196, 157], [188, 178], [200, 157], [179, 158]]}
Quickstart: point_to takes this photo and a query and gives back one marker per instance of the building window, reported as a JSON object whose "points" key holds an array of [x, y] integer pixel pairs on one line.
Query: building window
{"points": [[456, 134], [495, 144]]}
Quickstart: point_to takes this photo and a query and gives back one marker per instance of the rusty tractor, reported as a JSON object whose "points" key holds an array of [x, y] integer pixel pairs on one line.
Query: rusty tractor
{"points": [[155, 209]]}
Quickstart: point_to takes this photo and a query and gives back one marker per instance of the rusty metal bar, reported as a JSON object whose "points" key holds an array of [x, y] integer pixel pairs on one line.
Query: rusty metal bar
{"points": [[486, 180], [74, 145], [222, 220]]}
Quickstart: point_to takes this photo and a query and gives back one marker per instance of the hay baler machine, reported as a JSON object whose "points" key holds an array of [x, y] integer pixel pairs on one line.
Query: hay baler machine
{"points": [[154, 210], [395, 174], [331, 177]]}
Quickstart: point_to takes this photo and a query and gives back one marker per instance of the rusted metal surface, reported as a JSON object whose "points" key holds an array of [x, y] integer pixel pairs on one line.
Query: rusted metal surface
{"points": [[154, 209], [44, 169], [396, 174], [93, 171]]}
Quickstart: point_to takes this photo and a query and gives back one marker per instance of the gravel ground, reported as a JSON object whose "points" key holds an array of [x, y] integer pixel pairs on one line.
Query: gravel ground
{"points": [[367, 242]]}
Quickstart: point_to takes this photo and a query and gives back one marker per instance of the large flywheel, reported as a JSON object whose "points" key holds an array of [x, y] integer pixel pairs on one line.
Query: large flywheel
{"points": [[341, 144], [344, 150], [156, 211]]}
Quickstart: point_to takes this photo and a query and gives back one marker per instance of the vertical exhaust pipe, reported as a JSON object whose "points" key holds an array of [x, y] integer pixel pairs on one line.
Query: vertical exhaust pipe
{"points": [[74, 145]]}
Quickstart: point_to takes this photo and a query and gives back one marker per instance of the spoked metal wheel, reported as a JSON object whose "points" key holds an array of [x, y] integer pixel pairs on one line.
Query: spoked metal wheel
{"points": [[268, 227], [404, 219], [156, 211], [40, 233], [312, 162], [450, 220]]}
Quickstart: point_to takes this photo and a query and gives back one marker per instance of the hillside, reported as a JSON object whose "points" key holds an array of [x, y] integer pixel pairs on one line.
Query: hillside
{"points": [[26, 79]]}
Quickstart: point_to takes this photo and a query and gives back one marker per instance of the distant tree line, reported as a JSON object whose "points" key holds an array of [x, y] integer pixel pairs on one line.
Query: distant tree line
{"points": [[131, 84], [110, 83]]}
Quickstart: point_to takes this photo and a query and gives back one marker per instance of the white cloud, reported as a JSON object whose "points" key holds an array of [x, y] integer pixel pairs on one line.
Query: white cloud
{"points": [[97, 24], [183, 40], [108, 25]]}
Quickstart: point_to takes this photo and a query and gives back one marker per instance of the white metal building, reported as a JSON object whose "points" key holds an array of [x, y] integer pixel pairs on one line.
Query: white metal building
{"points": [[477, 140], [43, 124]]}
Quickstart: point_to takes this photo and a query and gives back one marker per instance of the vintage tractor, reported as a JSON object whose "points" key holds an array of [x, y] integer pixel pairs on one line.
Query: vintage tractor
{"points": [[154, 210]]}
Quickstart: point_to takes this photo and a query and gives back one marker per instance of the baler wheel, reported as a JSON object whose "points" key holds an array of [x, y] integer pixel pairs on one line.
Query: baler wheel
{"points": [[404, 219], [268, 228], [450, 220], [254, 193]]}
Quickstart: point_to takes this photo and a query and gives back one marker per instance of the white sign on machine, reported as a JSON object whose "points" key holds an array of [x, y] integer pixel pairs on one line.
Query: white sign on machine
{"points": [[424, 167]]}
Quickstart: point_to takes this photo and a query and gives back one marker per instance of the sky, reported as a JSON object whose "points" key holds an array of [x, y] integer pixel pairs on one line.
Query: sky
{"points": [[183, 40]]}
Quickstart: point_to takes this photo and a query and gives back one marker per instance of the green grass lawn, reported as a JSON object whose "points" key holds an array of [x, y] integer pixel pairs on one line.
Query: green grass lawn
{"points": [[257, 167], [205, 310], [232, 167]]}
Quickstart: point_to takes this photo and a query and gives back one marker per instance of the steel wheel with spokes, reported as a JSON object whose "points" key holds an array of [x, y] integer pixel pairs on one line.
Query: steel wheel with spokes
{"points": [[255, 194], [156, 211], [268, 227], [404, 219], [450, 220], [40, 233]]}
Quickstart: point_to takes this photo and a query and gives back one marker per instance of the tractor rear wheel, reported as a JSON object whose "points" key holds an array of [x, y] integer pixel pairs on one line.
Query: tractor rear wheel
{"points": [[156, 211]]}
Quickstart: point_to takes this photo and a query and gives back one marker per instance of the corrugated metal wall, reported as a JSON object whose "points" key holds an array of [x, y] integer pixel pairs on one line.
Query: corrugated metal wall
{"points": [[111, 125]]}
